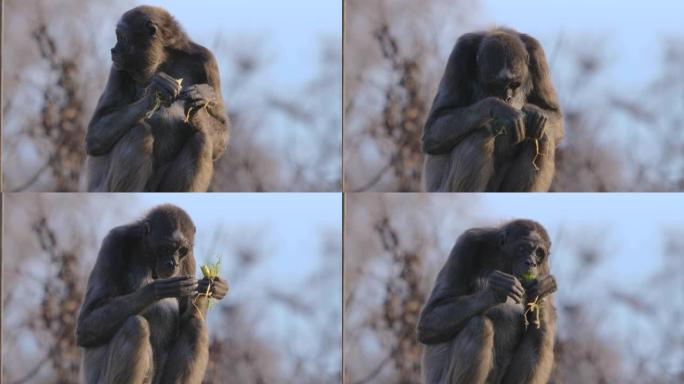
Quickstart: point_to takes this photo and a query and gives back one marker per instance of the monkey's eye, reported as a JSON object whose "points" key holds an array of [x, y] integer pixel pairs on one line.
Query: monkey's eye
{"points": [[120, 37], [541, 254], [515, 85], [183, 251]]}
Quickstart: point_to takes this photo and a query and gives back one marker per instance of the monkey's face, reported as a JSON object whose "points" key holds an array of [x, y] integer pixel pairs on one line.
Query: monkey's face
{"points": [[168, 248], [503, 70], [526, 255], [137, 50], [169, 258]]}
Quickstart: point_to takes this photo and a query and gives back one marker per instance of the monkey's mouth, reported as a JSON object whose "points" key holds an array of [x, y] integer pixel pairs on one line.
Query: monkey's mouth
{"points": [[116, 63], [165, 273], [527, 276], [119, 62]]}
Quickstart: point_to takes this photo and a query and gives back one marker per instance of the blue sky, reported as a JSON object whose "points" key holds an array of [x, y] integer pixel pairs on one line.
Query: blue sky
{"points": [[293, 224], [290, 30], [633, 29], [633, 222]]}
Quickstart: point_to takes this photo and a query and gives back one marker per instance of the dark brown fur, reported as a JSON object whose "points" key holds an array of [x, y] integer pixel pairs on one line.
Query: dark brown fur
{"points": [[131, 153], [137, 323], [474, 335], [463, 154]]}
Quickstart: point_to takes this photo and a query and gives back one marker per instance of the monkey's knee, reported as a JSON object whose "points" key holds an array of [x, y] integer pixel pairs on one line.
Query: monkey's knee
{"points": [[141, 139], [130, 354], [132, 161], [135, 328], [481, 329], [471, 165], [472, 352]]}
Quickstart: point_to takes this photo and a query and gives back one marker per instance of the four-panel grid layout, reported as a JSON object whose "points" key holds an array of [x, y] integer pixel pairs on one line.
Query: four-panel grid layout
{"points": [[342, 191]]}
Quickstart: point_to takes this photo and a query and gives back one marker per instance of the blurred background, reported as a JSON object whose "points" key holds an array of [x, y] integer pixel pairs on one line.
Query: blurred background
{"points": [[281, 255], [618, 260], [617, 70], [281, 74]]}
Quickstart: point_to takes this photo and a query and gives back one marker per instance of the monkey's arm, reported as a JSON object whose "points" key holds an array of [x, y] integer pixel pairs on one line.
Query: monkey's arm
{"points": [[533, 359], [216, 287], [114, 116], [450, 304], [446, 129], [214, 123], [100, 321], [104, 309], [534, 166], [212, 120], [188, 356], [443, 318]]}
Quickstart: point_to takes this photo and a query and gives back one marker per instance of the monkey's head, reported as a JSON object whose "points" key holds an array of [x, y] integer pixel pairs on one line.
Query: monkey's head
{"points": [[142, 36], [525, 245], [168, 239], [502, 62]]}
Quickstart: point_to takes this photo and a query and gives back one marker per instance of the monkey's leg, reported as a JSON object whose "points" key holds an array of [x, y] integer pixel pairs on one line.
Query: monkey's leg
{"points": [[131, 161], [188, 357], [533, 359], [532, 169], [468, 358], [130, 357], [97, 168], [191, 170], [469, 167]]}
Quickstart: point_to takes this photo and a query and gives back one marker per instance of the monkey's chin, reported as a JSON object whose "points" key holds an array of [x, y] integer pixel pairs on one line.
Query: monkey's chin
{"points": [[161, 274]]}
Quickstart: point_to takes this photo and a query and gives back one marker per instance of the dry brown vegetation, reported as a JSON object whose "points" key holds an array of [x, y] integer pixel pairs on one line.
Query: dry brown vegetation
{"points": [[56, 65], [396, 244], [395, 55], [53, 242]]}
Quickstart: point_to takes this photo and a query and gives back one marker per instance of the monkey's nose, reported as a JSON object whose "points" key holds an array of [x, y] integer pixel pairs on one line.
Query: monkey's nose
{"points": [[171, 264]]}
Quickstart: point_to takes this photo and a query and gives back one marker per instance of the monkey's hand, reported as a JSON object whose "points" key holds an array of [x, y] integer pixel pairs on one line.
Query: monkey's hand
{"points": [[216, 287], [177, 286], [540, 287], [197, 96], [502, 114], [535, 121], [165, 87], [503, 286]]}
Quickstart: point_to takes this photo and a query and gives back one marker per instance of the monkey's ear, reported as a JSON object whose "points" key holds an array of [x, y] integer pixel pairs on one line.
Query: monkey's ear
{"points": [[152, 28]]}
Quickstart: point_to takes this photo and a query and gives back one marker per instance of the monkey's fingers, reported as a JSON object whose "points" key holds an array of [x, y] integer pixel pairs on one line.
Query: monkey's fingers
{"points": [[163, 85], [190, 93], [186, 288], [188, 291], [533, 290], [220, 289], [547, 286], [508, 288], [177, 285], [170, 86], [170, 79], [199, 103], [498, 273]]}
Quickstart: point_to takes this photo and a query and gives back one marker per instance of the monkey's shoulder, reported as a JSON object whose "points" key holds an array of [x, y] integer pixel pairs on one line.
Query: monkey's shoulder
{"points": [[195, 65]]}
